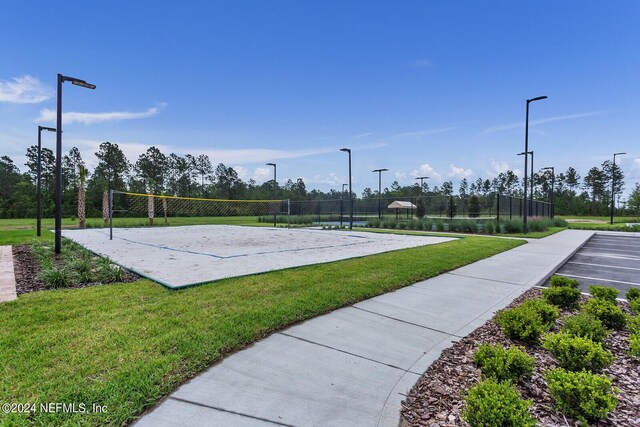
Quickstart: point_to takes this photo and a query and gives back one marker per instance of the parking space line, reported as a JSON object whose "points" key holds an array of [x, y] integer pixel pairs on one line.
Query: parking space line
{"points": [[610, 249], [597, 278], [603, 265], [631, 257], [612, 244]]}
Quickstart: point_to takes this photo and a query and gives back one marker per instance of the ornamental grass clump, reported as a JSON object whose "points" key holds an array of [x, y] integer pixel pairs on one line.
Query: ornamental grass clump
{"points": [[604, 293], [582, 395], [586, 326], [503, 364], [492, 403], [577, 353]]}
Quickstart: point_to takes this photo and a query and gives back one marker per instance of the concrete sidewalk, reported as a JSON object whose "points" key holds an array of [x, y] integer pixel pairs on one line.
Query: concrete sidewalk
{"points": [[353, 366], [7, 277]]}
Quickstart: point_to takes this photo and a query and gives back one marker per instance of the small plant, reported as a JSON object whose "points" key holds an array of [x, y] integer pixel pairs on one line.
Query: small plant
{"points": [[503, 364], [604, 293], [561, 282], [577, 353], [402, 225], [455, 227], [634, 325], [557, 222], [492, 403], [439, 225], [521, 324], [469, 226], [56, 277], [634, 346], [489, 228], [609, 314], [547, 312], [582, 395], [635, 306], [633, 294], [586, 326], [563, 297], [513, 226]]}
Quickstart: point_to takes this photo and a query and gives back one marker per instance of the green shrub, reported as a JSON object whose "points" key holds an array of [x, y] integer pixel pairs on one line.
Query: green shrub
{"points": [[455, 227], [537, 225], [56, 277], [635, 306], [503, 364], [373, 223], [513, 226], [577, 353], [469, 226], [402, 225], [634, 325], [562, 282], [547, 312], [439, 225], [492, 403], [586, 326], [557, 222], [604, 293], [609, 314], [634, 345], [581, 395], [489, 227], [633, 294], [428, 225], [563, 297]]}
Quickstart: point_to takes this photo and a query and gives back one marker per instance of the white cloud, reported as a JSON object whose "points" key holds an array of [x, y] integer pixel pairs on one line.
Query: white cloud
{"points": [[422, 133], [24, 90], [47, 115], [520, 125], [363, 135], [635, 168], [457, 172], [262, 174], [332, 179], [427, 170], [498, 167], [400, 176]]}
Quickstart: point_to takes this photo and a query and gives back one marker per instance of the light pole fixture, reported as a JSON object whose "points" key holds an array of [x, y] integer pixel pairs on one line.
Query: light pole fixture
{"points": [[526, 163], [76, 82], [613, 183], [39, 181], [380, 189], [553, 188], [275, 193], [348, 150], [421, 178]]}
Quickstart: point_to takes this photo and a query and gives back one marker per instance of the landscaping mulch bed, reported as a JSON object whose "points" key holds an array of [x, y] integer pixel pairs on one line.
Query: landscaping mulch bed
{"points": [[26, 269], [437, 399]]}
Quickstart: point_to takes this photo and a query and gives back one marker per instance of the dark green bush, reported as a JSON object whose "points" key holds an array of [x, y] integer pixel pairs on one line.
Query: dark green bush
{"points": [[562, 282], [563, 297], [586, 326], [635, 306], [537, 225], [581, 395], [577, 353], [489, 227], [492, 403], [513, 226], [402, 225], [609, 314], [633, 294], [634, 325], [557, 222], [440, 225], [503, 364], [604, 293], [547, 312], [469, 226]]}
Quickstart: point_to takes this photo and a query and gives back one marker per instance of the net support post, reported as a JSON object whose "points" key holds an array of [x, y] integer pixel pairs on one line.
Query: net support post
{"points": [[288, 213], [110, 214]]}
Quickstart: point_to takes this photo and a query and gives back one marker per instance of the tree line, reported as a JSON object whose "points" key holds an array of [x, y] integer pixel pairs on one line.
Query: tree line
{"points": [[196, 176]]}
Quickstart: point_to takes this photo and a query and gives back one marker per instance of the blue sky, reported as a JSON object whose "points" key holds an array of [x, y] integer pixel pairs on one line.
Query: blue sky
{"points": [[419, 87]]}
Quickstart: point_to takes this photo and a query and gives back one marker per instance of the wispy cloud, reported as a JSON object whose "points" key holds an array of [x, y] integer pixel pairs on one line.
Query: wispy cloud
{"points": [[47, 115], [24, 90], [332, 179], [422, 133], [427, 170], [458, 172], [498, 167], [541, 121], [363, 135]]}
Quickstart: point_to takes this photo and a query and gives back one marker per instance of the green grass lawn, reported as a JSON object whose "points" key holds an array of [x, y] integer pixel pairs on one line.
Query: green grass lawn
{"points": [[616, 219], [128, 345]]}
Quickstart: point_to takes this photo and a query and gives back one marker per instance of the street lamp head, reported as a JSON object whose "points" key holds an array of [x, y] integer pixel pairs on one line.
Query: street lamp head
{"points": [[619, 154], [539, 98], [380, 170], [346, 150], [550, 168], [82, 83], [46, 128], [422, 177], [271, 164]]}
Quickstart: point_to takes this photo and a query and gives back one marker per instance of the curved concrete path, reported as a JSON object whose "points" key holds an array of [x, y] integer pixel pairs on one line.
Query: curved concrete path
{"points": [[352, 367], [7, 276]]}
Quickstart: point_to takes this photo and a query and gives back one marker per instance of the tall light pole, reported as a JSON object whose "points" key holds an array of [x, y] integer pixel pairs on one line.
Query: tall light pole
{"points": [[275, 192], [341, 200], [348, 150], [526, 165], [525, 208], [380, 190], [76, 82], [533, 180], [553, 188], [39, 181], [421, 178], [613, 183]]}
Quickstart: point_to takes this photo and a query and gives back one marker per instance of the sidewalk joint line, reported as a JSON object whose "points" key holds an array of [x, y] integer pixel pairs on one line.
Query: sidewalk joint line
{"points": [[482, 278], [407, 322], [230, 412]]}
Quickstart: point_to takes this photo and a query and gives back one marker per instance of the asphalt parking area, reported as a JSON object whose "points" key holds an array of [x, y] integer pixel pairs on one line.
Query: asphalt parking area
{"points": [[608, 261]]}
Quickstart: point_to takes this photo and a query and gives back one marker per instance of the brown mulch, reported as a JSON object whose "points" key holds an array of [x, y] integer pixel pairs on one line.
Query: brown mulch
{"points": [[437, 399], [26, 269]]}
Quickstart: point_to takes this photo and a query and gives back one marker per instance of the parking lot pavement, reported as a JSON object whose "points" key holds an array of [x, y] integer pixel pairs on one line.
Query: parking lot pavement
{"points": [[606, 260]]}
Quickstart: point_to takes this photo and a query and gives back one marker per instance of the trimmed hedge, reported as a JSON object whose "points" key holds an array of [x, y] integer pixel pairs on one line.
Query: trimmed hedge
{"points": [[577, 353], [609, 314], [586, 326], [503, 364], [491, 403], [604, 293]]}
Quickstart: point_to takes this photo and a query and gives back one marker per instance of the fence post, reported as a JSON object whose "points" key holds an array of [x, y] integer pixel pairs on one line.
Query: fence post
{"points": [[498, 209], [510, 207], [110, 214]]}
